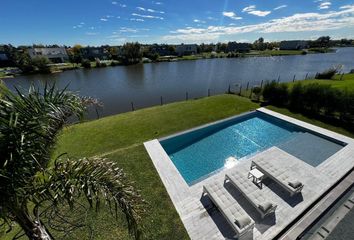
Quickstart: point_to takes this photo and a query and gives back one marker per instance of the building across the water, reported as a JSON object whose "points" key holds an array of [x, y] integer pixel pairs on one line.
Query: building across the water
{"points": [[294, 45], [186, 49], [93, 53], [56, 54]]}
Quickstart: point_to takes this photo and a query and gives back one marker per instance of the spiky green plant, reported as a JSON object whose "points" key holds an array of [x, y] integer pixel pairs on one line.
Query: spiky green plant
{"points": [[29, 125]]}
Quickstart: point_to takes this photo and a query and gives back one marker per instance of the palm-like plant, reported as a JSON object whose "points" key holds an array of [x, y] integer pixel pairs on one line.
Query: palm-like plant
{"points": [[29, 124]]}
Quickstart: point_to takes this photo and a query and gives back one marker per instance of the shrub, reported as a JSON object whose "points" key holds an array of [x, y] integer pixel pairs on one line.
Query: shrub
{"points": [[295, 96], [114, 63], [329, 73], [256, 91], [86, 63], [41, 64], [275, 93]]}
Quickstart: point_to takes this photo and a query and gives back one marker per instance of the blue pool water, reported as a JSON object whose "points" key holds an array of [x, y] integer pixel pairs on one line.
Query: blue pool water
{"points": [[201, 152]]}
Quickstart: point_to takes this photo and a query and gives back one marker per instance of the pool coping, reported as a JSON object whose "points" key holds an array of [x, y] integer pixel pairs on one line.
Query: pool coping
{"points": [[179, 190]]}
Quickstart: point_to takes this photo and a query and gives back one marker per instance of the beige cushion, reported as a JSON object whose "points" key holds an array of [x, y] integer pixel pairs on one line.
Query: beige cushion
{"points": [[242, 221], [295, 184], [265, 206]]}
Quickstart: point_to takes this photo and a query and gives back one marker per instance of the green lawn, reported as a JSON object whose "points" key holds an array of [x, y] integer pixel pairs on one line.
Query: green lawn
{"points": [[343, 83]]}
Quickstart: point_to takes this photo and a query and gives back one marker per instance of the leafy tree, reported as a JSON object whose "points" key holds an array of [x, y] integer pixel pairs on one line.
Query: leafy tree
{"points": [[24, 62], [41, 64], [29, 126], [86, 63], [75, 54], [259, 44], [131, 53]]}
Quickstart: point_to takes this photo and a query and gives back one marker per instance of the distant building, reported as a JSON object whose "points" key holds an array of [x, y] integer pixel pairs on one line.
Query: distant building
{"points": [[56, 55], [4, 60], [186, 49], [3, 57], [92, 53], [238, 47], [293, 45], [162, 50]]}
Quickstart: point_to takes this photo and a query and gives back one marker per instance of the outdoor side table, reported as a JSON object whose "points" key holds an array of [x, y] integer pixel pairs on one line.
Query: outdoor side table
{"points": [[257, 176]]}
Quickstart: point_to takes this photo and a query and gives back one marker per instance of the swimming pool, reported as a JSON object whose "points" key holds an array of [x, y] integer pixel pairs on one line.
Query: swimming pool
{"points": [[201, 152]]}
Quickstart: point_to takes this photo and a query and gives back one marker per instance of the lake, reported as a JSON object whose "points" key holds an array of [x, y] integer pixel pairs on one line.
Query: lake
{"points": [[144, 84]]}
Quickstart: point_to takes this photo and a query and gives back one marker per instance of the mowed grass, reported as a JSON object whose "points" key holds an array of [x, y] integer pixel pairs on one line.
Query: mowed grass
{"points": [[120, 138], [345, 82]]}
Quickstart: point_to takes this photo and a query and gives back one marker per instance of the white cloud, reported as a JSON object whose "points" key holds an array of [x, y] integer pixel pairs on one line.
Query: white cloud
{"points": [[212, 18], [137, 19], [104, 19], [231, 15], [157, 3], [198, 21], [324, 5], [149, 10], [280, 7], [346, 7], [147, 16], [300, 22], [114, 3], [249, 8], [123, 5], [252, 10], [91, 33]]}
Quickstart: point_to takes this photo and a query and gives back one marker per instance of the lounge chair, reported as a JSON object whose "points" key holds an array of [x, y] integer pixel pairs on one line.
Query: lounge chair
{"points": [[251, 192], [238, 219], [279, 174]]}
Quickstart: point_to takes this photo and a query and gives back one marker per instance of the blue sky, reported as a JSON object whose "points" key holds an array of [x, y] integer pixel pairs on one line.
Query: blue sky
{"points": [[96, 22]]}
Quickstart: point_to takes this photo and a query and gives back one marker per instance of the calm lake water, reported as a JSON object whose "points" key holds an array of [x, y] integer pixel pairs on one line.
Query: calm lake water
{"points": [[144, 84]]}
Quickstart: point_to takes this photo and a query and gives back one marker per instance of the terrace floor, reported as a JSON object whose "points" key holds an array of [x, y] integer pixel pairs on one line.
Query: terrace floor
{"points": [[203, 221]]}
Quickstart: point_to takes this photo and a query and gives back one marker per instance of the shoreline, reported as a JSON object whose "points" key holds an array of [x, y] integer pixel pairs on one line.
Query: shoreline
{"points": [[265, 53]]}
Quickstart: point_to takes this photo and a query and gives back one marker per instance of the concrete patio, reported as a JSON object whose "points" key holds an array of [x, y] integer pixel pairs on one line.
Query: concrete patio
{"points": [[203, 221]]}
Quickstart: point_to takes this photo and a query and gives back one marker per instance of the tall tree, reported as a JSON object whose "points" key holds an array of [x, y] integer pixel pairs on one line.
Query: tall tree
{"points": [[131, 53], [29, 125]]}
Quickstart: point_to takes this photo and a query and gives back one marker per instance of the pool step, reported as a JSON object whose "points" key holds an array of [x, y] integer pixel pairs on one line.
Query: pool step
{"points": [[309, 148]]}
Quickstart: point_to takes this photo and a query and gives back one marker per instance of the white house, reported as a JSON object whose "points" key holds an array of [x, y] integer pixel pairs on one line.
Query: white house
{"points": [[56, 55]]}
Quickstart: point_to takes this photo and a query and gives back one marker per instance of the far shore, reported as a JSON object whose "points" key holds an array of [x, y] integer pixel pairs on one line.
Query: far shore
{"points": [[58, 68]]}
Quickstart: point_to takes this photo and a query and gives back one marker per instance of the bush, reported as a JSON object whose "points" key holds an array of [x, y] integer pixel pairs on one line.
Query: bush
{"points": [[114, 63], [86, 63], [41, 64], [329, 73], [295, 97], [256, 91], [275, 93]]}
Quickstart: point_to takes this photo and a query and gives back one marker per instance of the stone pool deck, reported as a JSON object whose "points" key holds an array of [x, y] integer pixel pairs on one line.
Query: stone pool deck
{"points": [[203, 221]]}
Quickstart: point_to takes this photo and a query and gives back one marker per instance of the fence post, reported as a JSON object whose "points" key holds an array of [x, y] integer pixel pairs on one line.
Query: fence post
{"points": [[161, 101], [208, 92], [229, 89], [240, 90], [186, 96], [248, 83], [306, 75], [251, 93], [97, 114], [262, 84], [132, 106], [294, 77], [279, 78]]}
